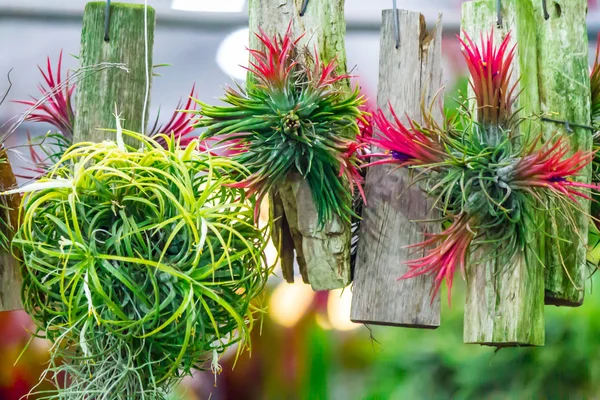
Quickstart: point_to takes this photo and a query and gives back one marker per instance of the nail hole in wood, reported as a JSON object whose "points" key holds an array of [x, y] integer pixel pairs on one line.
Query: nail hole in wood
{"points": [[557, 9]]}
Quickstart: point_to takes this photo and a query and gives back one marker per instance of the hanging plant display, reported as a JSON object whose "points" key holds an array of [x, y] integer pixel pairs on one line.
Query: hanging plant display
{"points": [[290, 118], [483, 175], [139, 265]]}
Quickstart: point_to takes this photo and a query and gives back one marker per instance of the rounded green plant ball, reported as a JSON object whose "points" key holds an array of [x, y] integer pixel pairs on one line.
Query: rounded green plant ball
{"points": [[139, 264]]}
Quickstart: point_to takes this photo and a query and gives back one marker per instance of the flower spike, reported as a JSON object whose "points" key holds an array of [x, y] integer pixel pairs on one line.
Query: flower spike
{"points": [[491, 73], [56, 106]]}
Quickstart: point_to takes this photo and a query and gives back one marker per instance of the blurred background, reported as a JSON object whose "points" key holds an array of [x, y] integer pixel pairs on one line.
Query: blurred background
{"points": [[306, 347]]}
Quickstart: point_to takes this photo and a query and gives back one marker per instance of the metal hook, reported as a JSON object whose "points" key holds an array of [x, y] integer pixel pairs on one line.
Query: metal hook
{"points": [[545, 8], [499, 13], [304, 7], [106, 21], [396, 24]]}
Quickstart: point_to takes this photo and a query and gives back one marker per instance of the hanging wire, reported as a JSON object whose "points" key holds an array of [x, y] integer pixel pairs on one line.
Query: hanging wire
{"points": [[106, 21], [499, 13], [568, 124], [545, 8], [304, 7], [396, 24]]}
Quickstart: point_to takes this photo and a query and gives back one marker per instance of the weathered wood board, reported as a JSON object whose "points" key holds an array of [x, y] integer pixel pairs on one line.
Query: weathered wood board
{"points": [[323, 255], [10, 276], [562, 53], [504, 303], [100, 91], [407, 76]]}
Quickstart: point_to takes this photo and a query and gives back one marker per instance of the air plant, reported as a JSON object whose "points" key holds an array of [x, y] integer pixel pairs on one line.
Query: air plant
{"points": [[484, 177], [56, 107], [292, 117], [140, 263]]}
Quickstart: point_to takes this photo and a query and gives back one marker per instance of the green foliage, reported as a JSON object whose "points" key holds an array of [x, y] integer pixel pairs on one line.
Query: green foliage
{"points": [[138, 265], [291, 117]]}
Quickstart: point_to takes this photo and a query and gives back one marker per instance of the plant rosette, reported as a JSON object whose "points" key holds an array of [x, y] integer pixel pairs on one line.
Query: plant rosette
{"points": [[139, 265], [485, 178], [295, 116]]}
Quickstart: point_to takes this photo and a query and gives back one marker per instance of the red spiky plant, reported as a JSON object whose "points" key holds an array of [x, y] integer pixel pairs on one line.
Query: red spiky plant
{"points": [[292, 118], [484, 178], [55, 107]]}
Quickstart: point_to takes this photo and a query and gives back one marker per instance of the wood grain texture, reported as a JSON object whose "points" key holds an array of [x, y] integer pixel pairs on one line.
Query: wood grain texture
{"points": [[322, 255], [562, 53], [100, 91], [407, 76], [504, 303], [10, 277]]}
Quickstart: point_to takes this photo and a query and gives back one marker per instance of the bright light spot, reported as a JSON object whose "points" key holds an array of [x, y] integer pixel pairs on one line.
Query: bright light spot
{"points": [[338, 310], [208, 5], [323, 322], [290, 302], [232, 55]]}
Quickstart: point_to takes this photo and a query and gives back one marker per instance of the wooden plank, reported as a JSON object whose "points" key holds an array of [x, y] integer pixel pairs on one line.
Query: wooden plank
{"points": [[10, 277], [407, 75], [99, 92], [562, 53], [323, 255], [504, 303]]}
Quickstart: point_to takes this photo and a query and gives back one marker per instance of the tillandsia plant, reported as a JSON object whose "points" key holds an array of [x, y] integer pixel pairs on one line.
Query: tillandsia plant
{"points": [[56, 107], [292, 118], [139, 264], [485, 178]]}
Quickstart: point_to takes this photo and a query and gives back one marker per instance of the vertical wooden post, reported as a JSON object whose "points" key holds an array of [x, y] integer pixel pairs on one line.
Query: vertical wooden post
{"points": [[10, 278], [505, 298], [408, 75], [100, 91], [562, 53], [323, 255]]}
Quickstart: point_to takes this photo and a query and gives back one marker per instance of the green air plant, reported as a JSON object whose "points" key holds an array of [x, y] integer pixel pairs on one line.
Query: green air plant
{"points": [[138, 265], [485, 178], [292, 118]]}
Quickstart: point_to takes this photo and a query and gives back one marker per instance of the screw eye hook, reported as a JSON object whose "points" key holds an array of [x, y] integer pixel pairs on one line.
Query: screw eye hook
{"points": [[499, 20], [106, 21], [545, 8], [304, 7], [396, 24]]}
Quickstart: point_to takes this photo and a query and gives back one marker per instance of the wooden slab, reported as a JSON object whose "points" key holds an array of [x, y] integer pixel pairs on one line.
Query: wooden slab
{"points": [[407, 76]]}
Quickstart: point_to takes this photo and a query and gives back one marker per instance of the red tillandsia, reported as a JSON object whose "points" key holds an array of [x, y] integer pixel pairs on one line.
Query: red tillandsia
{"points": [[450, 252], [491, 73], [350, 167], [405, 146], [56, 106], [548, 168], [273, 67], [293, 116]]}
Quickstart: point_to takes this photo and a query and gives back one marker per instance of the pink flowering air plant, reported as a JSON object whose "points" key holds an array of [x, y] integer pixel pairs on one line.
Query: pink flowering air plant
{"points": [[445, 252], [56, 106], [491, 73], [181, 124], [404, 146], [549, 168]]}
